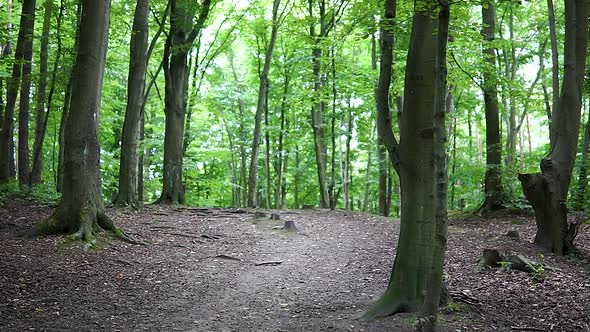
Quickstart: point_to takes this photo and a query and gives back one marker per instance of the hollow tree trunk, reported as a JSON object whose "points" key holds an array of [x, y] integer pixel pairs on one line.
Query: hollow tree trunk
{"points": [[493, 176], [547, 191], [128, 168]]}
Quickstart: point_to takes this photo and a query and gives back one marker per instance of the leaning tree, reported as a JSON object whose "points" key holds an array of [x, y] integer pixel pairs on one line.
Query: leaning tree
{"points": [[81, 210], [547, 191]]}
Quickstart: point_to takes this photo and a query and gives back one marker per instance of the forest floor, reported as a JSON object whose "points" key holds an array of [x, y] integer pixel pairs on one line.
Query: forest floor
{"points": [[224, 270]]}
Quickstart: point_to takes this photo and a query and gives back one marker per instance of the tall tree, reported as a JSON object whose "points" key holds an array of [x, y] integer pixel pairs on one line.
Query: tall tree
{"points": [[260, 107], [127, 193], [429, 310], [326, 23], [23, 165], [547, 191], [182, 34], [22, 53], [81, 210], [411, 158], [41, 105], [493, 176]]}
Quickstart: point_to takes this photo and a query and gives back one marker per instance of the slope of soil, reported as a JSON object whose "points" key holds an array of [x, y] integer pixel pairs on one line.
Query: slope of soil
{"points": [[224, 270]]}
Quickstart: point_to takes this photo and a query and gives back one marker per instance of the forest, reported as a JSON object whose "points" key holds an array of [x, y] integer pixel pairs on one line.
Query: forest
{"points": [[291, 165]]}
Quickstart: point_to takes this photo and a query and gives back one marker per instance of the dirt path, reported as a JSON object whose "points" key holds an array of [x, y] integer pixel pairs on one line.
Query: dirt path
{"points": [[203, 272]]}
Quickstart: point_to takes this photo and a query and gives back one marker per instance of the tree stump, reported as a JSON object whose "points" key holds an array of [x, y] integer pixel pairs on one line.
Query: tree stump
{"points": [[259, 214], [290, 226], [275, 216], [513, 234], [489, 258]]}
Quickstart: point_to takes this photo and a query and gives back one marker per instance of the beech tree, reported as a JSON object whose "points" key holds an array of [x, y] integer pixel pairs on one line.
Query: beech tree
{"points": [[21, 77], [81, 210], [261, 106], [182, 34], [547, 191], [493, 175], [128, 169], [418, 260]]}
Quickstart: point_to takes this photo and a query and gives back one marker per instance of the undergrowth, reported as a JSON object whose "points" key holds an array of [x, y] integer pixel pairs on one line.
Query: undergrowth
{"points": [[43, 192]]}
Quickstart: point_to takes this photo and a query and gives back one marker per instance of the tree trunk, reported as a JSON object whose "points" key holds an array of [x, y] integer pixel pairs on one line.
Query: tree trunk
{"points": [[127, 192], [555, 62], [22, 53], [181, 37], [365, 206], [28, 25], [547, 191], [493, 177], [317, 111], [414, 258], [81, 210], [67, 103], [281, 156], [429, 311], [40, 108], [262, 99]]}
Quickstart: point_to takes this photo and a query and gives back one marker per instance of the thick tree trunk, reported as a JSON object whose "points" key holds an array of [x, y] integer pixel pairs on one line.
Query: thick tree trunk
{"points": [[493, 177], [40, 108], [127, 193], [547, 191], [260, 106], [81, 210], [429, 310], [178, 44], [414, 258]]}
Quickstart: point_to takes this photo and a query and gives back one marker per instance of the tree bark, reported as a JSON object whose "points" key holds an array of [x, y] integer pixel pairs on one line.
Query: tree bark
{"points": [[554, 60], [547, 191], [41, 109], [28, 25], [429, 310], [260, 106], [81, 210], [181, 37], [493, 176], [128, 168], [317, 111], [23, 54], [411, 269]]}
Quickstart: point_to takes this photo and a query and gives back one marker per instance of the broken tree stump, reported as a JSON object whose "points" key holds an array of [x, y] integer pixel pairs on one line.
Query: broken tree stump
{"points": [[275, 216], [290, 226], [489, 258]]}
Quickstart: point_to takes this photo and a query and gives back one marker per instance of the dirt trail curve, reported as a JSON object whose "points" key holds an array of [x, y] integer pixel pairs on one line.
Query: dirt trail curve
{"points": [[223, 270]]}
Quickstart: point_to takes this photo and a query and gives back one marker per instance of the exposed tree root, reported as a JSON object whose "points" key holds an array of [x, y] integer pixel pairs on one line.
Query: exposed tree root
{"points": [[88, 224], [384, 307], [126, 201]]}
